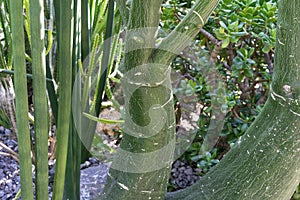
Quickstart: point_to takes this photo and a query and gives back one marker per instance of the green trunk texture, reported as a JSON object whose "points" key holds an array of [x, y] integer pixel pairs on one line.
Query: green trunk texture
{"points": [[265, 163], [141, 167]]}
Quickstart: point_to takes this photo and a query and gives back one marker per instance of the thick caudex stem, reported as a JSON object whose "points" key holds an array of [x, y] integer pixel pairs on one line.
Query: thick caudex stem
{"points": [[141, 167]]}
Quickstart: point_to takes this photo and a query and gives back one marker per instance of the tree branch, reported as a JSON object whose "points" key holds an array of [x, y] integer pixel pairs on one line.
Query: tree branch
{"points": [[185, 31], [141, 32]]}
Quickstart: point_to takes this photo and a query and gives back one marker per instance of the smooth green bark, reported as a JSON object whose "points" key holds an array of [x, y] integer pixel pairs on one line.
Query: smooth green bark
{"points": [[124, 182], [265, 163], [141, 166]]}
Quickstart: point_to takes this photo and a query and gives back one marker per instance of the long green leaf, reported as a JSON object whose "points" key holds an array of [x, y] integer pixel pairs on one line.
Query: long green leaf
{"points": [[101, 120]]}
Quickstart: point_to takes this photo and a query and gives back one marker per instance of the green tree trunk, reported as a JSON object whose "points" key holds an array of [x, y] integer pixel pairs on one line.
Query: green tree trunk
{"points": [[141, 167], [264, 164]]}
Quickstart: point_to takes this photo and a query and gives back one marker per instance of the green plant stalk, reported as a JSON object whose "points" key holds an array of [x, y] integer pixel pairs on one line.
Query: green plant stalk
{"points": [[4, 71], [92, 9], [85, 30], [106, 56], [2, 59], [37, 30], [65, 90], [4, 120], [92, 64], [6, 31], [118, 59], [72, 181], [184, 33], [89, 135], [50, 84], [99, 29], [77, 54], [75, 144], [16, 12], [99, 18], [265, 163], [57, 17], [18, 195], [101, 120], [50, 41], [114, 51], [85, 103], [98, 13], [27, 20], [5, 17], [111, 75], [51, 91]]}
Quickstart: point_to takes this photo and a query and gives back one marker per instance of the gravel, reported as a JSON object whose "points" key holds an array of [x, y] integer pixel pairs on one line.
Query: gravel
{"points": [[93, 173], [183, 175], [9, 168]]}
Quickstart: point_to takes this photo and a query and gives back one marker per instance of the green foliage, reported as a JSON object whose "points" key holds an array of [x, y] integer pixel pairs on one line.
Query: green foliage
{"points": [[247, 32], [4, 120], [208, 161], [172, 12]]}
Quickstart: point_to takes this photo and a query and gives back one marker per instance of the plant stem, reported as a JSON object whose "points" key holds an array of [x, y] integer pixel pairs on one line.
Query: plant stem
{"points": [[72, 181], [20, 82], [40, 97], [64, 106], [184, 32]]}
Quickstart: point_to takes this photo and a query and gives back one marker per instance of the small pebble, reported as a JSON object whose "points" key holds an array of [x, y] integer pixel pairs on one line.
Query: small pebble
{"points": [[1, 194], [7, 132]]}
